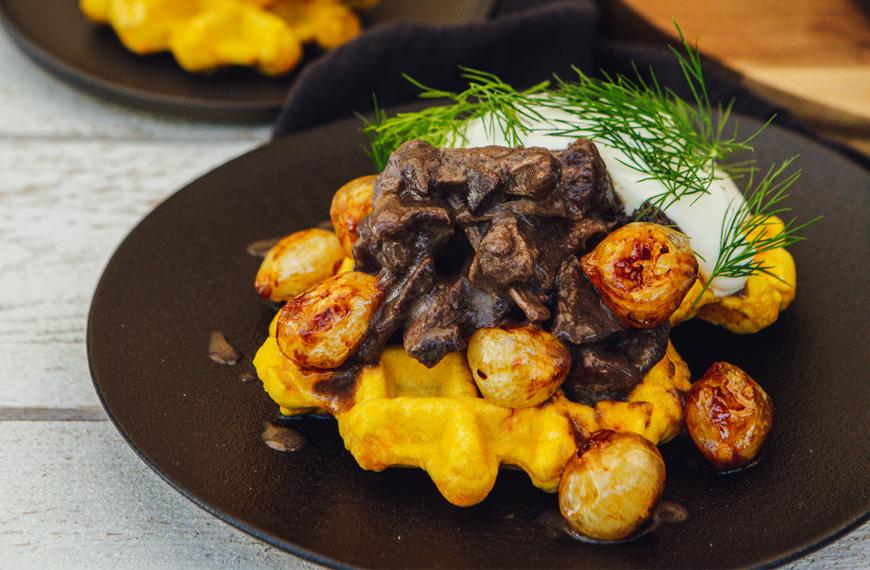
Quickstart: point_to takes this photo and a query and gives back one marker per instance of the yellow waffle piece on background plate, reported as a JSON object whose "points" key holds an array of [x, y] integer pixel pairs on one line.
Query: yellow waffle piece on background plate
{"points": [[329, 23], [229, 32], [204, 35]]}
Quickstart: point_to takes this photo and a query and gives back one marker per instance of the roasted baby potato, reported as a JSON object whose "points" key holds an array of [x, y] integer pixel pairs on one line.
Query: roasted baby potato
{"points": [[642, 272], [728, 415], [350, 205], [612, 486], [517, 367], [321, 327], [298, 262]]}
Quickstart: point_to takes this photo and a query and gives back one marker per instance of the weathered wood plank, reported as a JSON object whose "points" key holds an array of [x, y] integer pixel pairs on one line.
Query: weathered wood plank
{"points": [[84, 414], [73, 495], [64, 206], [821, 62], [35, 104]]}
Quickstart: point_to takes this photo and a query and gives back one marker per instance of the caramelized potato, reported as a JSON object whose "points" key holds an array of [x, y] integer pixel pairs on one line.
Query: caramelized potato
{"points": [[728, 416], [298, 262], [642, 272], [517, 367], [321, 327], [350, 205], [610, 489]]}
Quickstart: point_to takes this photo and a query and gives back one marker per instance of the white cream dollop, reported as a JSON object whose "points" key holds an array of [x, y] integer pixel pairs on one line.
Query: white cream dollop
{"points": [[700, 217]]}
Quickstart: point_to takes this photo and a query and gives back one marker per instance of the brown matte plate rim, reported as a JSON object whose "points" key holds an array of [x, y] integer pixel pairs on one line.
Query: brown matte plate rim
{"points": [[121, 377]]}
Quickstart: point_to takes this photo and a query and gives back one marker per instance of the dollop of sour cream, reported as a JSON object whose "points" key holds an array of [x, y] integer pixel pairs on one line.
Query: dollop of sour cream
{"points": [[700, 217]]}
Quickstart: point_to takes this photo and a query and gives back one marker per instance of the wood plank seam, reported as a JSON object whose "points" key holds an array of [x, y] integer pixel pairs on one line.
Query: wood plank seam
{"points": [[39, 414]]}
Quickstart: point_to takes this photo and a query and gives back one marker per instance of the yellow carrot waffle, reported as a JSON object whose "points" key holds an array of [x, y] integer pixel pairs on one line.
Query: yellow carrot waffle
{"points": [[758, 304], [399, 412]]}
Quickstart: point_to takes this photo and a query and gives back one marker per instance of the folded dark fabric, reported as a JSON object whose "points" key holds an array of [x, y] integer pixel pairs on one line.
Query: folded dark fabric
{"points": [[524, 43]]}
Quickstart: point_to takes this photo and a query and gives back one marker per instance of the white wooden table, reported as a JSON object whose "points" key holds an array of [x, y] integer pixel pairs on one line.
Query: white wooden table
{"points": [[76, 174]]}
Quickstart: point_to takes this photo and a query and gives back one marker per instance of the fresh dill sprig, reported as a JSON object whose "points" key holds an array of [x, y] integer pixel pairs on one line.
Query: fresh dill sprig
{"points": [[682, 144], [501, 108], [661, 136], [744, 234]]}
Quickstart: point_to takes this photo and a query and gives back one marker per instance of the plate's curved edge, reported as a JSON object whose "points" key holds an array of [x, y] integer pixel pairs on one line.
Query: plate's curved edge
{"points": [[261, 534], [257, 533], [816, 546], [93, 84]]}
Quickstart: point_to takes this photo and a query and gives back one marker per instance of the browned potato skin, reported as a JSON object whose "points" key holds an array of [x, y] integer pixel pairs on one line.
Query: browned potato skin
{"points": [[609, 490], [351, 203], [517, 367], [322, 327], [297, 262], [728, 415], [642, 272]]}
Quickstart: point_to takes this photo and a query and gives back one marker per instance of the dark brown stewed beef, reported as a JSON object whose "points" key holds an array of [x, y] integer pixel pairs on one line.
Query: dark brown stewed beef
{"points": [[468, 238], [505, 257], [581, 316], [609, 370], [588, 189], [435, 328]]}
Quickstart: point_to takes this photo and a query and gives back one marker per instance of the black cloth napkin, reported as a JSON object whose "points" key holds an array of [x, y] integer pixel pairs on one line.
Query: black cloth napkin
{"points": [[524, 42]]}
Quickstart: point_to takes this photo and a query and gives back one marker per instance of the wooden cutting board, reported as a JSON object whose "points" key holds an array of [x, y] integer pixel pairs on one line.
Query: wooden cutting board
{"points": [[811, 56]]}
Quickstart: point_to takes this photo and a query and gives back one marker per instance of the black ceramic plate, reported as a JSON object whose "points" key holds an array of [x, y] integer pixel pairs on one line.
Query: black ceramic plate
{"points": [[184, 272], [58, 37]]}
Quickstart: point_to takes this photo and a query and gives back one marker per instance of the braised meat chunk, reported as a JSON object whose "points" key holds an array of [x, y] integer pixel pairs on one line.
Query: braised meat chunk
{"points": [[464, 239], [611, 369]]}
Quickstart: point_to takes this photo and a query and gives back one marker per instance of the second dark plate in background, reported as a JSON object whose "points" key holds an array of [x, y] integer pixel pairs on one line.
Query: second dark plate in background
{"points": [[58, 36]]}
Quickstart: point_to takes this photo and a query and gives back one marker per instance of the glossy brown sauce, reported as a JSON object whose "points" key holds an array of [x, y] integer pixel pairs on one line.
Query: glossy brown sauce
{"points": [[339, 388], [247, 377], [221, 351], [282, 438], [261, 247], [666, 512], [742, 468]]}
